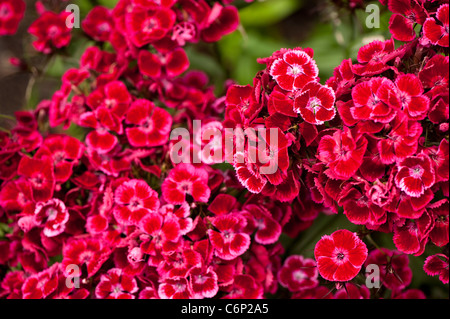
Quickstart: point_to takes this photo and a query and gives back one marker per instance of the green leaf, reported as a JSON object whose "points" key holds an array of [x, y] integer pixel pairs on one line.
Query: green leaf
{"points": [[269, 12]]}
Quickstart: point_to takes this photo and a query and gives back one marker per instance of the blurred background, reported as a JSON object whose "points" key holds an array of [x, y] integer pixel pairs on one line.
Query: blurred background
{"points": [[335, 29]]}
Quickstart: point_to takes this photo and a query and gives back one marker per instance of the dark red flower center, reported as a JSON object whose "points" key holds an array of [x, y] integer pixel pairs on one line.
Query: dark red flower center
{"points": [[340, 256]]}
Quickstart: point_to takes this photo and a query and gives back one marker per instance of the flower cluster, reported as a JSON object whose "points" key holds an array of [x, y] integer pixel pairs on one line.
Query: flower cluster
{"points": [[117, 213]]}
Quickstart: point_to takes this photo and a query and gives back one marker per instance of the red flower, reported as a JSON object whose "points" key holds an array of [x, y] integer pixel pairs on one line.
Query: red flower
{"points": [[151, 124], [395, 273], [315, 103], [437, 32], [51, 31], [41, 285], [243, 100], [294, 70], [203, 283], [437, 265], [374, 58], [53, 215], [184, 180], [268, 230], [435, 76], [406, 14], [65, 151], [11, 13], [375, 100], [415, 175], [342, 153], [340, 255], [171, 64], [244, 287], [220, 22], [411, 96], [298, 273], [146, 26], [351, 291], [135, 199], [412, 237], [116, 285], [39, 173], [401, 141], [229, 241], [174, 289], [85, 251], [98, 24], [440, 211]]}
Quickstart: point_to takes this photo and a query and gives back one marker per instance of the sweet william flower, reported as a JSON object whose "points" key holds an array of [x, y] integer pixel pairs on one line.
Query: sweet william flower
{"points": [[415, 175], [11, 13], [342, 152], [315, 103], [406, 15], [340, 255], [294, 70], [298, 273], [437, 30], [437, 265], [51, 31], [229, 241], [52, 215], [151, 124], [185, 179], [116, 285]]}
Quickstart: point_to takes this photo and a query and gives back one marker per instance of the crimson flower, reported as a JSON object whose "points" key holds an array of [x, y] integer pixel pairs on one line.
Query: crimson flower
{"points": [[151, 124], [51, 31], [135, 199], [415, 175], [437, 32], [437, 265], [184, 180], [315, 103], [115, 284], [340, 255], [342, 153], [53, 215], [298, 273], [11, 13], [294, 70]]}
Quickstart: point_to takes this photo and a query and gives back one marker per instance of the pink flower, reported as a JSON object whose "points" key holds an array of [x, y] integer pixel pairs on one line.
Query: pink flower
{"points": [[340, 255], [51, 31], [184, 180], [439, 235], [11, 13], [116, 285], [415, 175], [228, 239], [134, 200], [151, 124], [437, 32], [351, 291], [298, 273], [53, 215], [294, 70], [267, 229]]}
